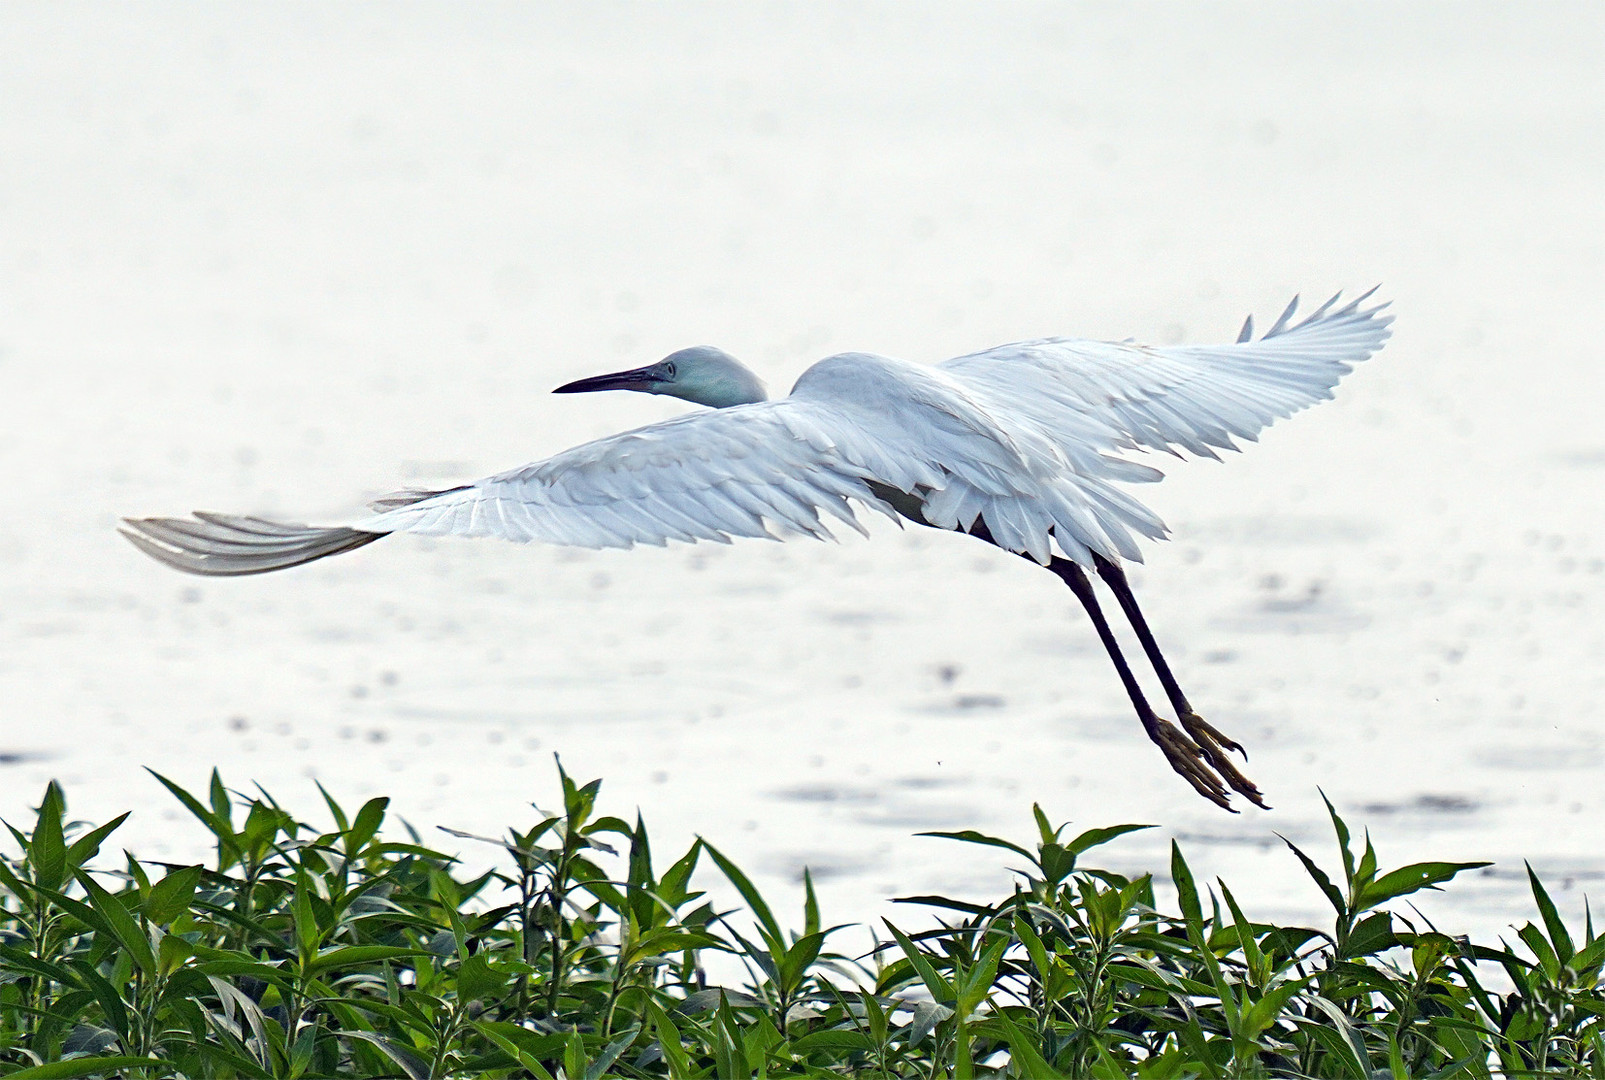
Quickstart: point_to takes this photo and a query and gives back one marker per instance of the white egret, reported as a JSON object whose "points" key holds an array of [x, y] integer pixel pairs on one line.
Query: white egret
{"points": [[1019, 446]]}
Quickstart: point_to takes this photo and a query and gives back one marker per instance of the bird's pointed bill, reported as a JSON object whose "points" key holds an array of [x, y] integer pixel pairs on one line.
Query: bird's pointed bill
{"points": [[643, 378]]}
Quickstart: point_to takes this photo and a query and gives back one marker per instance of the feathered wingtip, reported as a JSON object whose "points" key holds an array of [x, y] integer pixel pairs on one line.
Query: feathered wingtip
{"points": [[408, 497], [1350, 313], [227, 545]]}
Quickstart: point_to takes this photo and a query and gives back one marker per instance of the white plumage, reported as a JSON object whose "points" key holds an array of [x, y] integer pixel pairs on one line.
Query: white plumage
{"points": [[1021, 445], [1023, 436]]}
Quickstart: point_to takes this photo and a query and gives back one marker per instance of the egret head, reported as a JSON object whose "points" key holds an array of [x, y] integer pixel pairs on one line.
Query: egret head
{"points": [[701, 374]]}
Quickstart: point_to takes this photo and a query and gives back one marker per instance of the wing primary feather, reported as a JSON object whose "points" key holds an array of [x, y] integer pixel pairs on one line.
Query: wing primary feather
{"points": [[1281, 323]]}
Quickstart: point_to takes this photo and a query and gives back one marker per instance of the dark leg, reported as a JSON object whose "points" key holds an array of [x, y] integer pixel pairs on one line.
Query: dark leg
{"points": [[1184, 756], [1210, 740]]}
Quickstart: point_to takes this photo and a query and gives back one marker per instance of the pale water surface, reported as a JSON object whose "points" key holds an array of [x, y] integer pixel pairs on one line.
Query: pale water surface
{"points": [[277, 259]]}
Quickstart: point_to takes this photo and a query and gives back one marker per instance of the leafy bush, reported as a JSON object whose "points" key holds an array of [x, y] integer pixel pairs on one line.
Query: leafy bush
{"points": [[342, 952]]}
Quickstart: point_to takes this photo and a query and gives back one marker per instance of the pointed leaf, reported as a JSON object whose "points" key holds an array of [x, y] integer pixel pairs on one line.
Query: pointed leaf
{"points": [[1186, 892], [413, 1066], [47, 850], [1342, 831], [1024, 1057], [1558, 935], [120, 922], [749, 893], [939, 987], [87, 846], [970, 836], [1409, 879], [610, 1053], [170, 897], [1332, 893], [1097, 837]]}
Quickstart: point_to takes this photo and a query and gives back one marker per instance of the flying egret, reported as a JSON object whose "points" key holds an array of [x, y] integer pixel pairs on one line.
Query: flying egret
{"points": [[1019, 446]]}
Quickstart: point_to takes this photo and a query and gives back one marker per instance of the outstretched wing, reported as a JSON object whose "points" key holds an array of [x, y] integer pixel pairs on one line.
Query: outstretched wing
{"points": [[762, 470], [1090, 395], [752, 470]]}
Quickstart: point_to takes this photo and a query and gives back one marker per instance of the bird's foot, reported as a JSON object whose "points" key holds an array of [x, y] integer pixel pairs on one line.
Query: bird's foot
{"points": [[1190, 760], [1213, 746]]}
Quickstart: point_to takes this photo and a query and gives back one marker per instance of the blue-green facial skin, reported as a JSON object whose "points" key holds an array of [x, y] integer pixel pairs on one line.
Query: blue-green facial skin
{"points": [[707, 376]]}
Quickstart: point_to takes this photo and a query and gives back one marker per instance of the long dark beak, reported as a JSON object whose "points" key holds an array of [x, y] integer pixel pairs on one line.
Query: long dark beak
{"points": [[639, 379]]}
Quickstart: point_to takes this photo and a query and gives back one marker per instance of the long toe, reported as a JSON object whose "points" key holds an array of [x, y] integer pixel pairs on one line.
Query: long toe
{"points": [[1203, 731], [1190, 760], [1213, 745]]}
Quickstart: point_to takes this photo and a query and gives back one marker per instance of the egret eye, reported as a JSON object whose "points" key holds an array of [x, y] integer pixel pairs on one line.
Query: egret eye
{"points": [[668, 369]]}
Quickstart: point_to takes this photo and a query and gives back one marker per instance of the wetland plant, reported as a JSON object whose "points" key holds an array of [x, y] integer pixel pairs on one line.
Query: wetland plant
{"points": [[339, 950]]}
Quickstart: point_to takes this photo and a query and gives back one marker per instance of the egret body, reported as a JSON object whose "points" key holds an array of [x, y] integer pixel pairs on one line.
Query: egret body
{"points": [[1021, 446]]}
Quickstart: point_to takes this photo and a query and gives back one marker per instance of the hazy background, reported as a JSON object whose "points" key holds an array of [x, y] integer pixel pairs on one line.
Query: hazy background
{"points": [[280, 258]]}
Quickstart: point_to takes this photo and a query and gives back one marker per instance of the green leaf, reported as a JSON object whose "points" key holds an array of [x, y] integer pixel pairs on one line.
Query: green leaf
{"points": [[977, 982], [1364, 873], [1342, 831], [16, 959], [15, 885], [344, 956], [1186, 892], [170, 897], [222, 805], [1097, 837], [574, 1056], [939, 987], [1373, 935], [610, 1053], [477, 980], [970, 836], [1264, 1012], [1033, 946], [1558, 935], [47, 851], [301, 1049], [672, 885], [674, 1054], [340, 823], [87, 846], [1542, 949], [366, 825], [833, 1039], [1345, 1041], [750, 894], [228, 847], [1409, 879], [1253, 958], [1331, 891], [1056, 862], [1589, 958], [1024, 1057], [119, 922], [412, 1066], [171, 952], [520, 1044], [106, 996], [307, 931], [810, 904]]}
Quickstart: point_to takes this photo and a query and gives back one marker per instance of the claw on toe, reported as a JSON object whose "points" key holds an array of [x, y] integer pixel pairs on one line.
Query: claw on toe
{"points": [[1198, 754], [1197, 725], [1212, 744], [1189, 760]]}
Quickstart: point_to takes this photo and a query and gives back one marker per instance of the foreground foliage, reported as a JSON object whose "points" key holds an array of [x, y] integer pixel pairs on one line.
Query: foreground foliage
{"points": [[341, 952]]}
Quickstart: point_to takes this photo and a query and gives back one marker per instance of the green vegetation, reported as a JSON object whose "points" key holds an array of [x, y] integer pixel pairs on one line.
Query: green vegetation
{"points": [[341, 952]]}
